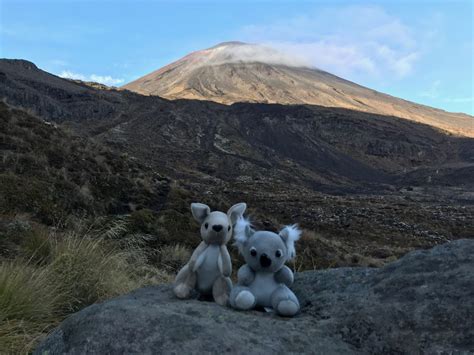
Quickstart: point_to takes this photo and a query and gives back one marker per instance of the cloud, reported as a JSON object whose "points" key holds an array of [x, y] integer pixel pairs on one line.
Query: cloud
{"points": [[107, 79], [231, 53], [346, 40]]}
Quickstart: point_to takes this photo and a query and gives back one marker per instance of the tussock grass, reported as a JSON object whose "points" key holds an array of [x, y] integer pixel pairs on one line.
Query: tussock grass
{"points": [[55, 274], [89, 270], [28, 305], [173, 257]]}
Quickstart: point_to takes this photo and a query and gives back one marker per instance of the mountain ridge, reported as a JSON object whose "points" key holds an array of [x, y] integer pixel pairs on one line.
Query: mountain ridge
{"points": [[252, 73]]}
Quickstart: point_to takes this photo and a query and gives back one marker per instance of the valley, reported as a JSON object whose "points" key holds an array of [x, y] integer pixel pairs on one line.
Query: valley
{"points": [[366, 188]]}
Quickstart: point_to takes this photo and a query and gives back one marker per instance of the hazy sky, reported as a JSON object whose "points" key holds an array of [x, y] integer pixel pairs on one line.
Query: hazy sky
{"points": [[418, 50]]}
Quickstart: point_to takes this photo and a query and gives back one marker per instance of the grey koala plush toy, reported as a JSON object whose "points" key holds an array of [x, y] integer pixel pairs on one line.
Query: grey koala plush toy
{"points": [[265, 279], [209, 267]]}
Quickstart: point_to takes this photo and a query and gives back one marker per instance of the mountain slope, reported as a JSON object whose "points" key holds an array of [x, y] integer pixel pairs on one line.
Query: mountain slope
{"points": [[361, 184], [51, 174], [238, 72]]}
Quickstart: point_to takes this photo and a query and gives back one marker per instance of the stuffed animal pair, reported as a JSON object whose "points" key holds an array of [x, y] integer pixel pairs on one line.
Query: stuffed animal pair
{"points": [[262, 282]]}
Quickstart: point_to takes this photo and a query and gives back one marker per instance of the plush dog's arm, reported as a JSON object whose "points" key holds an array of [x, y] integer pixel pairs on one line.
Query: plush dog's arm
{"points": [[284, 276], [223, 261], [245, 275], [196, 253]]}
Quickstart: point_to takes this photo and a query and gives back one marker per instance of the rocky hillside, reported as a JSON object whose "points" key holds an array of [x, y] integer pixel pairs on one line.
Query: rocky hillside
{"points": [[420, 304], [365, 187], [239, 72], [51, 173]]}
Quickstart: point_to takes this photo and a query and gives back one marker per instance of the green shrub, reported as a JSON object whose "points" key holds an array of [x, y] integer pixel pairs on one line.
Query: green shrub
{"points": [[143, 221]]}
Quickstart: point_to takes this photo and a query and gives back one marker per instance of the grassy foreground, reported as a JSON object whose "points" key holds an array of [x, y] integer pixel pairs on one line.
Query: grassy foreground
{"points": [[45, 275]]}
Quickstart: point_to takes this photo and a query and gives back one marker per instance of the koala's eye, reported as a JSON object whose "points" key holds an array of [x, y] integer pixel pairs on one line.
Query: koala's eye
{"points": [[228, 228], [206, 225], [278, 253], [253, 252]]}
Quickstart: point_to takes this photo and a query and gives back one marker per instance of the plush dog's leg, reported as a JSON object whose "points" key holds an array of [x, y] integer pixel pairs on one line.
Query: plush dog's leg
{"points": [[185, 282], [284, 301], [186, 279], [242, 298], [223, 262], [221, 290]]}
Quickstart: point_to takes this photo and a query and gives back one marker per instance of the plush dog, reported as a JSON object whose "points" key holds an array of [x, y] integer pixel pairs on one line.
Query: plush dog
{"points": [[265, 279], [209, 267]]}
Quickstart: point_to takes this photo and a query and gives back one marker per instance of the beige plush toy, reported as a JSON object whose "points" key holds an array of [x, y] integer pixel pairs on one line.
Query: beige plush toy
{"points": [[209, 267]]}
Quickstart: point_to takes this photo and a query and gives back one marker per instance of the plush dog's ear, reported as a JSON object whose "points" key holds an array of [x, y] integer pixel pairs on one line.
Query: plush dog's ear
{"points": [[242, 232], [236, 211], [290, 234], [200, 211]]}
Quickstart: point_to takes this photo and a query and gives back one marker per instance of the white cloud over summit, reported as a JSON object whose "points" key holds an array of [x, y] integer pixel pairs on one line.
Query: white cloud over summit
{"points": [[345, 41], [231, 53], [103, 79]]}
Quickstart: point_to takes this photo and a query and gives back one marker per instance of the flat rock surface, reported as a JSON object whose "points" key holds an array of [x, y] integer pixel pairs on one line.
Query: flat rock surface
{"points": [[423, 302]]}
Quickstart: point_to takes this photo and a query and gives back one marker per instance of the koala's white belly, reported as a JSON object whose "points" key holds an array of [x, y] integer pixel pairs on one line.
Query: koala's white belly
{"points": [[262, 288], [208, 272]]}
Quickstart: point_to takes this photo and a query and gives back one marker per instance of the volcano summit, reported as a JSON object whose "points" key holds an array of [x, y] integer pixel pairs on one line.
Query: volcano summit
{"points": [[238, 72]]}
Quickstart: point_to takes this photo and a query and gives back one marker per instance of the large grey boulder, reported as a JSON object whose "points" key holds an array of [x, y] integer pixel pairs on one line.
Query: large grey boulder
{"points": [[422, 303]]}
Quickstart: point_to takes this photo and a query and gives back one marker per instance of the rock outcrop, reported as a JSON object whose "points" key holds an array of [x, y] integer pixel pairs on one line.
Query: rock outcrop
{"points": [[422, 303]]}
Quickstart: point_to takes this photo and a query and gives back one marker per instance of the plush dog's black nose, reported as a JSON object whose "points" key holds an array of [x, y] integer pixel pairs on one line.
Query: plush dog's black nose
{"points": [[265, 261], [217, 227]]}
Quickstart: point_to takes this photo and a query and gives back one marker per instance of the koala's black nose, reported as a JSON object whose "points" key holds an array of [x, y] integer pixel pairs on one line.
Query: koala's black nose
{"points": [[265, 261], [217, 227]]}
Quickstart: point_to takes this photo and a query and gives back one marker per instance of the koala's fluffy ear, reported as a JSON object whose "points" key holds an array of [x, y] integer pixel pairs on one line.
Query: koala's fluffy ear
{"points": [[200, 211], [236, 212], [290, 234], [242, 232]]}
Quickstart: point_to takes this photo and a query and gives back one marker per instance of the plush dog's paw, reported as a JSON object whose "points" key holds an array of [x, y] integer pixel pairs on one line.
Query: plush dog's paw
{"points": [[245, 300], [287, 308], [182, 291], [222, 300]]}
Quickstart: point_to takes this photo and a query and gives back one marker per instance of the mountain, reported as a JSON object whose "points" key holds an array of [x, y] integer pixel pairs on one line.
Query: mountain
{"points": [[238, 72], [365, 187]]}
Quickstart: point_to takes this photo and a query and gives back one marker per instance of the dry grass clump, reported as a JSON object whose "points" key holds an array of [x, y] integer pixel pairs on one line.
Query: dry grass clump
{"points": [[29, 305], [55, 274], [173, 257]]}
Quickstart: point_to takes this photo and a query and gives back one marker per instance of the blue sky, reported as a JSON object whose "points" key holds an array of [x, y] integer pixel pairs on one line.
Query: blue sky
{"points": [[417, 50]]}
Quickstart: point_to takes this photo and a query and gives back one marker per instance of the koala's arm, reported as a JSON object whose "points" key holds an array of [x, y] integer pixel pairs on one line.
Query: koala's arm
{"points": [[223, 262], [245, 275], [195, 256], [284, 276]]}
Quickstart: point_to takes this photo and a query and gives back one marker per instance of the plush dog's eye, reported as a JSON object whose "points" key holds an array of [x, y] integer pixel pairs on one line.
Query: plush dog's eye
{"points": [[278, 253], [253, 252], [228, 228], [206, 225]]}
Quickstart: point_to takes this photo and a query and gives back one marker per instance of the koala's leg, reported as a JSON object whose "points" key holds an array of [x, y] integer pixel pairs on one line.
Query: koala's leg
{"points": [[242, 298], [284, 301], [184, 283], [221, 290]]}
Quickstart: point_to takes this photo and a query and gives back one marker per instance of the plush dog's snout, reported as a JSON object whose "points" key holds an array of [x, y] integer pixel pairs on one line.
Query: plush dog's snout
{"points": [[217, 227], [265, 261]]}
